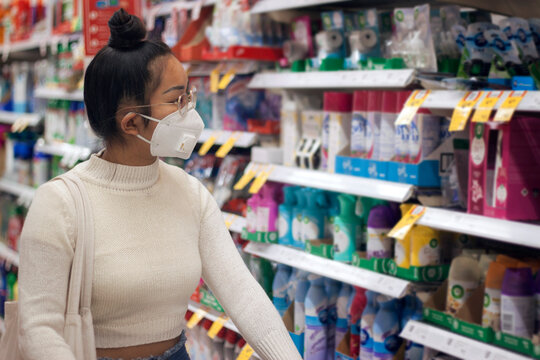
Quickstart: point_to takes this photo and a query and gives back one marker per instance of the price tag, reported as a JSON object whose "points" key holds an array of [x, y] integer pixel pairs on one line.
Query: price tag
{"points": [[217, 326], [249, 174], [227, 78], [229, 220], [463, 111], [227, 147], [209, 143], [246, 353], [20, 124], [214, 78], [485, 107], [261, 179], [411, 107], [195, 318], [509, 105], [406, 223]]}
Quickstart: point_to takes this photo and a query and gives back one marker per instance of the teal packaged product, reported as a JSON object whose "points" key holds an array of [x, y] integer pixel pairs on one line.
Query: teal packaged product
{"points": [[262, 271], [316, 319], [302, 288], [386, 329], [346, 227], [332, 288], [412, 310], [331, 213], [280, 287], [314, 214], [285, 223], [342, 324], [366, 326], [297, 221], [293, 283]]}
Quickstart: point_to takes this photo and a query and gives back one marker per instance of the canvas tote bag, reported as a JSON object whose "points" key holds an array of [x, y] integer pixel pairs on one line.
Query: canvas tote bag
{"points": [[78, 327]]}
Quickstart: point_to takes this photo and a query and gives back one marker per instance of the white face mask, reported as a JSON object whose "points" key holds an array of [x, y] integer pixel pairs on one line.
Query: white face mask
{"points": [[175, 136]]}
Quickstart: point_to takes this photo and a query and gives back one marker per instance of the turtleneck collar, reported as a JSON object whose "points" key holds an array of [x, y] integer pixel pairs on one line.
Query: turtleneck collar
{"points": [[117, 176]]}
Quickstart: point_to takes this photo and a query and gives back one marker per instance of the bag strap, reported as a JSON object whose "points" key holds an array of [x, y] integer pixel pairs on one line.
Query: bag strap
{"points": [[82, 268]]}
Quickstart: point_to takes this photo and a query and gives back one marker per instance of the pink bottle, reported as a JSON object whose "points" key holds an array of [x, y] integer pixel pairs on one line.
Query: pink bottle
{"points": [[251, 215], [357, 308], [267, 208]]}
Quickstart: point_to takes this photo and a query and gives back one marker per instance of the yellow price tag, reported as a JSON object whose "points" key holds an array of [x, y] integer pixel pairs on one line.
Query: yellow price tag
{"points": [[249, 174], [217, 326], [509, 105], [261, 179], [227, 78], [205, 148], [246, 353], [195, 318], [485, 107], [463, 111], [214, 79], [410, 109], [20, 124], [229, 220], [227, 147], [406, 223]]}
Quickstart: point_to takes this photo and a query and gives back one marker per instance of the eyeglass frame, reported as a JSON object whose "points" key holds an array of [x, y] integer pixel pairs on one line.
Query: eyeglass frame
{"points": [[191, 102]]}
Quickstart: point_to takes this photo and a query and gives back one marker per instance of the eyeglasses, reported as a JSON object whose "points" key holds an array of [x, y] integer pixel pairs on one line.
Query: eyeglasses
{"points": [[185, 102]]}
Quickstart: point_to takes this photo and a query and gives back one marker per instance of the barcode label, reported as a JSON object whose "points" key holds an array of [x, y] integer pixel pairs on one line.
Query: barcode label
{"points": [[507, 322]]}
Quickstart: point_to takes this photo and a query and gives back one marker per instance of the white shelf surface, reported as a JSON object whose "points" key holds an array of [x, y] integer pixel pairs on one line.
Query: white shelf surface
{"points": [[10, 117], [16, 189], [512, 232], [353, 275], [11, 256], [58, 94], [245, 139], [454, 344], [237, 223], [354, 185], [263, 6], [448, 100], [166, 8], [211, 315], [37, 41], [373, 79], [63, 149]]}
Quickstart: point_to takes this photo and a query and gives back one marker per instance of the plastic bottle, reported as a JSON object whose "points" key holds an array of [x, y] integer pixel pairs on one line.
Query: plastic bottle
{"points": [[331, 214], [518, 303], [491, 313], [251, 214], [293, 283], [359, 124], [424, 135], [342, 325], [286, 215], [388, 119], [380, 221], [41, 169], [425, 246], [21, 74], [314, 214], [315, 345], [485, 263], [230, 342], [358, 305], [267, 209], [336, 127], [537, 296], [346, 226], [297, 221], [217, 345], [279, 288], [386, 329], [366, 326], [412, 311], [402, 248], [463, 279], [373, 129], [402, 131], [332, 288], [206, 343], [299, 303]]}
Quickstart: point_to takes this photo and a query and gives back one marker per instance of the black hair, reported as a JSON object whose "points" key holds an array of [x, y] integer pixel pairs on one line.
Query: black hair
{"points": [[126, 70]]}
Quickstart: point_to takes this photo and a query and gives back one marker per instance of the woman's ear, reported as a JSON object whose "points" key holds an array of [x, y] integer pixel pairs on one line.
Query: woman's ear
{"points": [[131, 124]]}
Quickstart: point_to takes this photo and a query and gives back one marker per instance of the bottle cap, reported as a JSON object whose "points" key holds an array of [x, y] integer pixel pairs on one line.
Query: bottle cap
{"points": [[222, 333], [338, 101], [381, 217], [241, 343], [207, 324], [402, 98], [389, 102], [374, 101], [231, 337], [360, 99], [518, 282], [188, 315]]}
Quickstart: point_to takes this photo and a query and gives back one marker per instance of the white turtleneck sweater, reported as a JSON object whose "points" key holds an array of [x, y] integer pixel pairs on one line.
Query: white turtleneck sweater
{"points": [[157, 230]]}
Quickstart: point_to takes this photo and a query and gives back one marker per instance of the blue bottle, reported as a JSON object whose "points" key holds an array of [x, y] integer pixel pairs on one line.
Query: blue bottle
{"points": [[342, 324], [285, 222], [386, 329], [412, 310], [302, 288], [297, 220], [366, 326], [314, 214], [331, 213], [280, 288], [332, 288], [315, 344]]}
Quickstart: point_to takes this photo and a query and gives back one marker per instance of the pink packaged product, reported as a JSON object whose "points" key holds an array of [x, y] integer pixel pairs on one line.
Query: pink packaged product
{"points": [[504, 169]]}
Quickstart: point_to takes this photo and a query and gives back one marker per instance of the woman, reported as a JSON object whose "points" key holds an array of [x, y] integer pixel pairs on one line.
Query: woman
{"points": [[157, 230]]}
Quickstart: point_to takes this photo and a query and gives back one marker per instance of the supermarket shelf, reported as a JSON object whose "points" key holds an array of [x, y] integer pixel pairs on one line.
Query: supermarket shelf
{"points": [[38, 41], [58, 94], [333, 79], [354, 185], [448, 100], [235, 222], [21, 191], [211, 315], [245, 139], [166, 8], [11, 256], [491, 228], [370, 280], [454, 344], [263, 6], [77, 153], [10, 117]]}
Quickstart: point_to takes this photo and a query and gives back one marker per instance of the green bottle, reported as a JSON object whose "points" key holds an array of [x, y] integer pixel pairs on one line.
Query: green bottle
{"points": [[347, 227]]}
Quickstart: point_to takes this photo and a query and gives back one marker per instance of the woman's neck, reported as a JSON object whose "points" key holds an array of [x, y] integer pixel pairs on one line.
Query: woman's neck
{"points": [[123, 155]]}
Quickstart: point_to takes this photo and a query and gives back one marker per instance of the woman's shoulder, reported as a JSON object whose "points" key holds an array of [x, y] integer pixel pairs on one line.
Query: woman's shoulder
{"points": [[179, 176]]}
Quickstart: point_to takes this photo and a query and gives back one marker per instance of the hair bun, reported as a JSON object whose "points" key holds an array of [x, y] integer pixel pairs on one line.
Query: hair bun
{"points": [[127, 31]]}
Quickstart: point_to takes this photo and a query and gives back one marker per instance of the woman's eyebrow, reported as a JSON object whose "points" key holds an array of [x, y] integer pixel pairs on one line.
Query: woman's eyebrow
{"points": [[178, 87]]}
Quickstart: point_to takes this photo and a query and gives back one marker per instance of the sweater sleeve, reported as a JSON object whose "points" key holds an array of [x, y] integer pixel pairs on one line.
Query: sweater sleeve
{"points": [[46, 253], [241, 296]]}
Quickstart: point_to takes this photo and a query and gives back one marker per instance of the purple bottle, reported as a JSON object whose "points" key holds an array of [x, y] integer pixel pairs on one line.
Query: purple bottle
{"points": [[381, 220], [518, 303], [537, 295]]}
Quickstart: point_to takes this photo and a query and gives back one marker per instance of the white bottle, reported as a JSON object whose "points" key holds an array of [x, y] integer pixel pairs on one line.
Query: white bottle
{"points": [[424, 135], [388, 119], [464, 278]]}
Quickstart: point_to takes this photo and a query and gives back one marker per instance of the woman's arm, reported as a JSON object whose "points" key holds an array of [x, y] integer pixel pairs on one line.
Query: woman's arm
{"points": [[46, 253], [237, 291]]}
